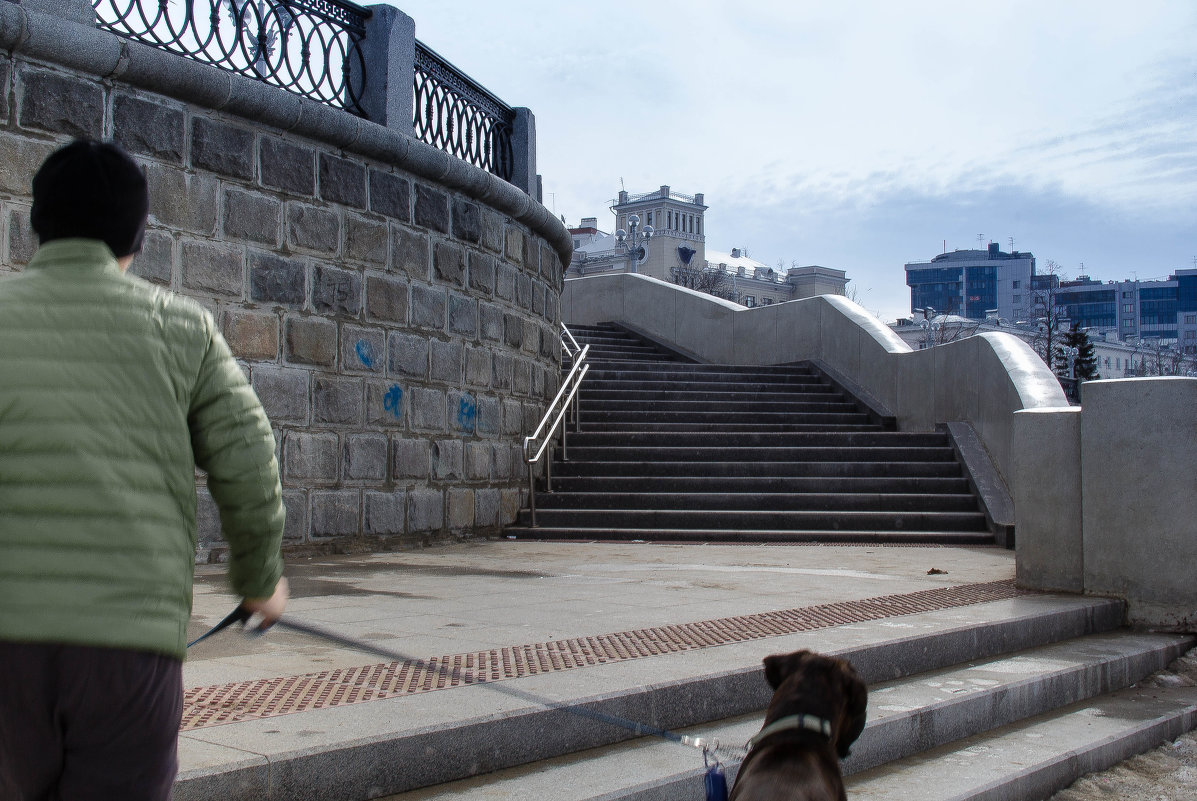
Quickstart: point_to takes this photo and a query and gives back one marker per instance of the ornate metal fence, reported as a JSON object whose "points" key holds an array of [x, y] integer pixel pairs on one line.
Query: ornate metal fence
{"points": [[309, 47], [457, 115]]}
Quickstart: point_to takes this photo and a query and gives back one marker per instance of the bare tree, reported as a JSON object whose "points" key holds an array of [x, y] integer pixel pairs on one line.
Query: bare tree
{"points": [[710, 280], [1047, 316]]}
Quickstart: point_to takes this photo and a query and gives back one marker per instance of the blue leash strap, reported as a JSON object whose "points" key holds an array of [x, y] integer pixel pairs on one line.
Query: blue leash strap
{"points": [[714, 781]]}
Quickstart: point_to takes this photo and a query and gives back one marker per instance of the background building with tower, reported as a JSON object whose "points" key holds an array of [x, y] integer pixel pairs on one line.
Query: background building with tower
{"points": [[662, 234]]}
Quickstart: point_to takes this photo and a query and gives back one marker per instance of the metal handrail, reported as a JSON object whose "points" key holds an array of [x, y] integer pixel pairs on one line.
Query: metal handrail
{"points": [[567, 339], [566, 399]]}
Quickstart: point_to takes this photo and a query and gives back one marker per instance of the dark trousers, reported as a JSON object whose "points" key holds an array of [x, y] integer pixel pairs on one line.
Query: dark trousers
{"points": [[85, 724]]}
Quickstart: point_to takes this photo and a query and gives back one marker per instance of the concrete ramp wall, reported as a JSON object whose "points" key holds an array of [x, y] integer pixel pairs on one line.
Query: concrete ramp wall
{"points": [[982, 380]]}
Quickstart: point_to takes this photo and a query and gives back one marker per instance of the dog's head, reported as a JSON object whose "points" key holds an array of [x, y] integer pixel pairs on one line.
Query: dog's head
{"points": [[828, 685]]}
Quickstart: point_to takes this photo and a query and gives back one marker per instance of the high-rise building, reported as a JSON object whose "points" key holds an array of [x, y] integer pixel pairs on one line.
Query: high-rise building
{"points": [[973, 283]]}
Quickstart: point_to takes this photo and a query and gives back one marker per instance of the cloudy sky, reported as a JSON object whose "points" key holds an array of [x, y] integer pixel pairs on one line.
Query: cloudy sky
{"points": [[862, 135]]}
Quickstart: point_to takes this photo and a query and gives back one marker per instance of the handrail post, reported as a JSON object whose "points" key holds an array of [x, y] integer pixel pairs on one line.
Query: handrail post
{"points": [[532, 493], [564, 452]]}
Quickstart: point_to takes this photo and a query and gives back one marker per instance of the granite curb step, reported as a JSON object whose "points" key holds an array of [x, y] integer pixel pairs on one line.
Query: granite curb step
{"points": [[919, 725], [401, 744]]}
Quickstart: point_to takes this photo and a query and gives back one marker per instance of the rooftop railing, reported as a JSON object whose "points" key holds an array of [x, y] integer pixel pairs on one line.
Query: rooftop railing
{"points": [[659, 194], [337, 53]]}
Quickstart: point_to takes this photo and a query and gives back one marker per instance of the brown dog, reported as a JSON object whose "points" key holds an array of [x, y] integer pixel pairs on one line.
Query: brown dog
{"points": [[817, 712]]}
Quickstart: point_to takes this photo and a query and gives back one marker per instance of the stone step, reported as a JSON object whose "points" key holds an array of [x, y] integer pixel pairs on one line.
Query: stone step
{"points": [[848, 453], [637, 352], [753, 468], [770, 439], [838, 422], [706, 387], [601, 372], [603, 533], [1035, 758], [632, 408], [756, 484], [641, 498], [691, 369], [729, 393], [736, 520], [906, 715], [763, 418]]}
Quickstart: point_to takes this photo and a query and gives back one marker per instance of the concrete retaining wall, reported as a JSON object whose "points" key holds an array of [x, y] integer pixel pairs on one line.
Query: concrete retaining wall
{"points": [[1105, 494], [395, 308], [1110, 498]]}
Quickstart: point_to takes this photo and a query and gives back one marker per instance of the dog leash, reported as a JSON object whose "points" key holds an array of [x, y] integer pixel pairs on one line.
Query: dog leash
{"points": [[710, 747]]}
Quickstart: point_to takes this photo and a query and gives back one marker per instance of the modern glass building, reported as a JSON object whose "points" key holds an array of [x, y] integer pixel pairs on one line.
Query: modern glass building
{"points": [[973, 283], [976, 283]]}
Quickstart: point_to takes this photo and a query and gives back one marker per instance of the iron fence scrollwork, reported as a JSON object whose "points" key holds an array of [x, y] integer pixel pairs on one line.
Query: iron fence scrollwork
{"points": [[457, 115], [309, 47]]}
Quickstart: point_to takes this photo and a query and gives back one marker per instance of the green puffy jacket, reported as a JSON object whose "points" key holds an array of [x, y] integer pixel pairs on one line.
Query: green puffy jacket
{"points": [[111, 392]]}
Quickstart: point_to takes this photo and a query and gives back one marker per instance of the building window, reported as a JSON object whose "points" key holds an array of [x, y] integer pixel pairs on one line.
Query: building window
{"points": [[700, 226], [1016, 298], [769, 302], [1128, 307], [669, 219], [749, 301], [648, 218], [1126, 294], [1017, 283], [1107, 362], [1190, 334], [1191, 319], [1128, 323]]}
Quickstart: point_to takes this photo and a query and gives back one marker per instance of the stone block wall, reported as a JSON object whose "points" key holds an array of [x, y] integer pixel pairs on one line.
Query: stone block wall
{"points": [[401, 332]]}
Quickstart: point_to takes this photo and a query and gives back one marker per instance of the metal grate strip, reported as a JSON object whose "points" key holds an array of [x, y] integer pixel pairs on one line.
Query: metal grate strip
{"points": [[229, 703]]}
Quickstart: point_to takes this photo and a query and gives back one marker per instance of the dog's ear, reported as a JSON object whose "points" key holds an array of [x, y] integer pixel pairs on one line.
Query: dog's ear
{"points": [[856, 699], [779, 666]]}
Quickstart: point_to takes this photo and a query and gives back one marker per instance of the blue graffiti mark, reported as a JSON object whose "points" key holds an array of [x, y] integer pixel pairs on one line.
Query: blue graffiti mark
{"points": [[392, 401], [467, 413], [365, 352]]}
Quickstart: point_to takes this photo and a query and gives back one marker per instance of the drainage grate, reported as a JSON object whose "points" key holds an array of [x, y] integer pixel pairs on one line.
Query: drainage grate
{"points": [[229, 703]]}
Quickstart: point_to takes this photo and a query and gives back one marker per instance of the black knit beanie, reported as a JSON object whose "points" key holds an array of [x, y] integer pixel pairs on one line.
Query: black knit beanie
{"points": [[93, 190]]}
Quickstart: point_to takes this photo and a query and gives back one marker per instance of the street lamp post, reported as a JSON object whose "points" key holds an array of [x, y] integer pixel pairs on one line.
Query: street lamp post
{"points": [[1071, 353], [634, 240], [930, 326]]}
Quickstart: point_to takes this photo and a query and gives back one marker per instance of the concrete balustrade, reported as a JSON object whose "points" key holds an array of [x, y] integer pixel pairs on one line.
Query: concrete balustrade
{"points": [[1109, 497], [1105, 494]]}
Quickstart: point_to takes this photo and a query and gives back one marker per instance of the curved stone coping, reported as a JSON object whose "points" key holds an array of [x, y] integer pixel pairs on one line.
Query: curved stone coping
{"points": [[108, 56], [982, 379]]}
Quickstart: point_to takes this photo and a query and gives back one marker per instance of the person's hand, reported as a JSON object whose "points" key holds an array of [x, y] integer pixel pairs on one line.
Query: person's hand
{"points": [[270, 609]]}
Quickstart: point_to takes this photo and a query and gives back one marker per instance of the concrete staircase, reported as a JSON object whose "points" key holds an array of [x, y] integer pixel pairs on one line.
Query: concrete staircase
{"points": [[1014, 703], [675, 451]]}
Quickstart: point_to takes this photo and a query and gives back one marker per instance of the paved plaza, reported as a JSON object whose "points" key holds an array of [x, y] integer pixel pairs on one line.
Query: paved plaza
{"points": [[565, 620]]}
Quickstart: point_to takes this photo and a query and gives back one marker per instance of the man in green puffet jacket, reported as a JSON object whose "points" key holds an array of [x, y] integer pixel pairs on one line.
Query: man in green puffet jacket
{"points": [[112, 391]]}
